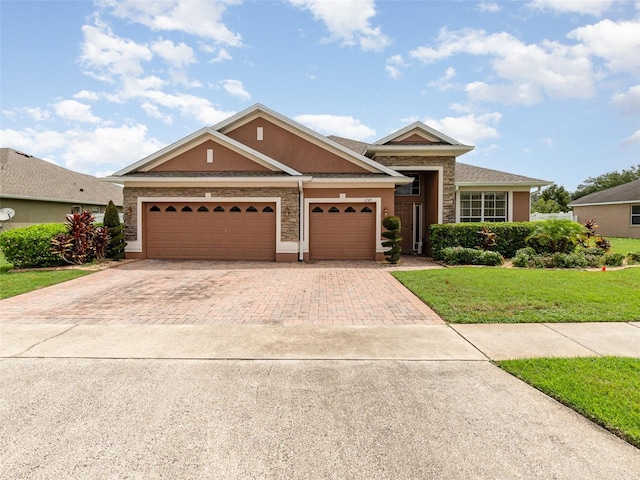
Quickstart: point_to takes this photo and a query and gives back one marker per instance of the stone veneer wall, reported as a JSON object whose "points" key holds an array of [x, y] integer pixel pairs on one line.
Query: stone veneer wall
{"points": [[289, 196], [448, 172]]}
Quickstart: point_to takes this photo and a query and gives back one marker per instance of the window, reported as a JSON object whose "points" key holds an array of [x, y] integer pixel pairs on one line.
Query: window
{"points": [[267, 209], [235, 208], [366, 210], [203, 209], [635, 215], [317, 210], [334, 210], [76, 209], [218, 209], [252, 209], [186, 208], [349, 210], [155, 208], [483, 206], [409, 188], [170, 208]]}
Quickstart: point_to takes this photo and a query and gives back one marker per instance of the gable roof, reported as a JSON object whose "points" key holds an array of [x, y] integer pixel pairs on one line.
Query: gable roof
{"points": [[27, 177], [196, 138], [431, 135], [470, 175], [327, 143], [625, 193]]}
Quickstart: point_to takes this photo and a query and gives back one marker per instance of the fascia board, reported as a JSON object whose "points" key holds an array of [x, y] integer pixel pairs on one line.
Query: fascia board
{"points": [[82, 201], [502, 184], [422, 150], [253, 112], [385, 180], [594, 204]]}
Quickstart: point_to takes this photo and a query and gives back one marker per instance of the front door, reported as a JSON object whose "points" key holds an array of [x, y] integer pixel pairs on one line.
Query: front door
{"points": [[410, 214]]}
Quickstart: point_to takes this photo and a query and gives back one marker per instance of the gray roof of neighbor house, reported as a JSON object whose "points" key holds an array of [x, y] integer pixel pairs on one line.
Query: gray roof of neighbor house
{"points": [[465, 174], [27, 177], [625, 193]]}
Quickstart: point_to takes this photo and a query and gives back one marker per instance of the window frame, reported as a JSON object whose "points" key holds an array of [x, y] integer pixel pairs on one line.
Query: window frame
{"points": [[415, 188], [485, 204], [635, 216]]}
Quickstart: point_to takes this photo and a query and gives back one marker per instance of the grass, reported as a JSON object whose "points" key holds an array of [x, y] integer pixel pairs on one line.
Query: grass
{"points": [[12, 284], [606, 390], [624, 245], [506, 295]]}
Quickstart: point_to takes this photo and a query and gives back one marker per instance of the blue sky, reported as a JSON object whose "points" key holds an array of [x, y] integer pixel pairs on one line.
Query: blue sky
{"points": [[544, 88]]}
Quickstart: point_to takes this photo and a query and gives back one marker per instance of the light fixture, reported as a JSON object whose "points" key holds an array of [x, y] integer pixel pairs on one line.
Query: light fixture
{"points": [[386, 211]]}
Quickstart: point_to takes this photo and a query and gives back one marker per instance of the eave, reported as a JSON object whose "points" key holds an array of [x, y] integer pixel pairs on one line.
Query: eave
{"points": [[594, 204], [418, 150]]}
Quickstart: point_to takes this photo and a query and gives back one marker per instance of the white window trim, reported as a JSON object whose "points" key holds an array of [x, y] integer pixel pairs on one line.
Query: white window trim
{"points": [[508, 207], [343, 199], [281, 247]]}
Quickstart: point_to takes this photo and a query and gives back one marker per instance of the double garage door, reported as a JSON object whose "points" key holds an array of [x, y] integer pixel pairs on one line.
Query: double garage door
{"points": [[247, 231], [210, 231]]}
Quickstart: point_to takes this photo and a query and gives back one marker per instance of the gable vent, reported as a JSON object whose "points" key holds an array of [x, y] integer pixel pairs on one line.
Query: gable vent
{"points": [[260, 133], [209, 155]]}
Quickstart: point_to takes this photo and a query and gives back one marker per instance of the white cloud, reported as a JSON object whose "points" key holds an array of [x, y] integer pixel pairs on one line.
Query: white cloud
{"points": [[443, 83], [490, 7], [86, 95], [468, 129], [629, 102], [618, 43], [223, 55], [154, 112], [105, 148], [633, 139], [107, 55], [178, 55], [585, 7], [189, 106], [201, 18], [348, 21], [548, 141], [344, 126], [37, 114], [394, 66], [75, 111], [529, 70], [235, 88]]}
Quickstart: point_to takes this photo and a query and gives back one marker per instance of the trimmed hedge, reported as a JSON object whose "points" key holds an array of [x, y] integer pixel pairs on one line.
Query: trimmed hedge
{"points": [[30, 247], [470, 256], [633, 258], [579, 258], [510, 236]]}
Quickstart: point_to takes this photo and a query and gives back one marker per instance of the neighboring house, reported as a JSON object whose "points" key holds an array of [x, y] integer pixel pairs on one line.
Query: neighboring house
{"points": [[261, 186], [615, 210], [42, 192]]}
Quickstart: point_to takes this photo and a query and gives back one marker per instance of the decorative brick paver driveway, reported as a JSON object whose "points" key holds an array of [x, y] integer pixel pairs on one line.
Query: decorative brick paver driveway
{"points": [[191, 292]]}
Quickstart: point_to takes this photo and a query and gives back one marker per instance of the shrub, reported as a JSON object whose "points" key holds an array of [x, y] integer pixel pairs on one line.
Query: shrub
{"points": [[393, 225], [30, 247], [470, 256], [510, 236], [82, 241], [614, 259], [559, 236], [528, 258], [117, 243], [633, 258]]}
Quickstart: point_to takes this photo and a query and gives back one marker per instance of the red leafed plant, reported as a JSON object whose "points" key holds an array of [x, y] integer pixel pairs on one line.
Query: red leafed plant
{"points": [[83, 241]]}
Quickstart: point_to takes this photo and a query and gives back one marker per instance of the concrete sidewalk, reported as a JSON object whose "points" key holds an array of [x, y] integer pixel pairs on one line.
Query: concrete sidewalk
{"points": [[277, 342]]}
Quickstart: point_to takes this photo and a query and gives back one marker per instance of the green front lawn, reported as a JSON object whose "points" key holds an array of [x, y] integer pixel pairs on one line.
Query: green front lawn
{"points": [[624, 245], [606, 390], [12, 284], [509, 295]]}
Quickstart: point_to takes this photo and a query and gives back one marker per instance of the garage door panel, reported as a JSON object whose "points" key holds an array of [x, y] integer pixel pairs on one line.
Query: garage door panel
{"points": [[213, 231], [342, 232]]}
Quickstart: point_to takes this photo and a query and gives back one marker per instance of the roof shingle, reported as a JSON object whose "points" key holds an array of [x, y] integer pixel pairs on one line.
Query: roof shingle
{"points": [[25, 176], [627, 192]]}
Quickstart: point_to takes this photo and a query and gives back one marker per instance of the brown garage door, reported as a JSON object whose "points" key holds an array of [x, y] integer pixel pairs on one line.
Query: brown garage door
{"points": [[210, 231], [342, 231]]}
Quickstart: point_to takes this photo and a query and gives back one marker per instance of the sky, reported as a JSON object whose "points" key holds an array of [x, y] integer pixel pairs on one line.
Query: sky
{"points": [[544, 88]]}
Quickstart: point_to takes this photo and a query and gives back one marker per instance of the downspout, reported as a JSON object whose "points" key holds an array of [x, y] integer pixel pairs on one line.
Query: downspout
{"points": [[301, 222]]}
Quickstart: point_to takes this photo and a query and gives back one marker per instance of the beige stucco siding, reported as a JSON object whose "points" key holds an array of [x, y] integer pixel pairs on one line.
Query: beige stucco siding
{"points": [[613, 220], [35, 212]]}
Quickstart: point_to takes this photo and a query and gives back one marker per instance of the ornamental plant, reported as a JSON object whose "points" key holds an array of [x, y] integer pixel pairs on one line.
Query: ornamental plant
{"points": [[558, 236], [82, 242], [392, 224]]}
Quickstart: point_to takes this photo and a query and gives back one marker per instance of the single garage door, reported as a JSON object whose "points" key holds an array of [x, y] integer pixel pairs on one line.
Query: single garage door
{"points": [[342, 231], [210, 231]]}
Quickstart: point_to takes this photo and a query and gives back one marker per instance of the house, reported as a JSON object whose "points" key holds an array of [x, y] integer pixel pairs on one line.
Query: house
{"points": [[260, 186], [615, 210], [42, 192]]}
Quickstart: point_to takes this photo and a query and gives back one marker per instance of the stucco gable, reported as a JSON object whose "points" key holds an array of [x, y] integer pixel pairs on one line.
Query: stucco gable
{"points": [[189, 154]]}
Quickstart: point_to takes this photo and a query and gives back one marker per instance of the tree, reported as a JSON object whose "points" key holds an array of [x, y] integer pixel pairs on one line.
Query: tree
{"points": [[607, 180], [115, 249], [553, 199]]}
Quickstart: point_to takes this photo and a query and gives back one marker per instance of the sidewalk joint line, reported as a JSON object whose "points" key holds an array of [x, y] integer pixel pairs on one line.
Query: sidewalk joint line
{"points": [[17, 355], [572, 339]]}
